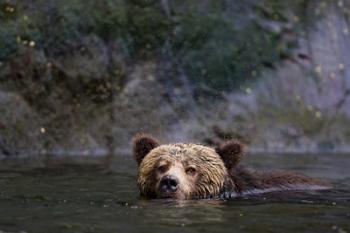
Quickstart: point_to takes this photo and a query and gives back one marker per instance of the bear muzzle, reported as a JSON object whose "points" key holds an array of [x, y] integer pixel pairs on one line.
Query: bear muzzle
{"points": [[168, 185]]}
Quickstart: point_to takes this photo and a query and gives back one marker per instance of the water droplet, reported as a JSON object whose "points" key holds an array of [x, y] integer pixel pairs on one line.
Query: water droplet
{"points": [[318, 114], [332, 76], [10, 9], [340, 3], [318, 69], [296, 19], [150, 78], [248, 91]]}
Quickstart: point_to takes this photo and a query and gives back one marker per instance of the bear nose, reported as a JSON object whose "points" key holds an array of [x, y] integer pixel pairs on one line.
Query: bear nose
{"points": [[169, 184]]}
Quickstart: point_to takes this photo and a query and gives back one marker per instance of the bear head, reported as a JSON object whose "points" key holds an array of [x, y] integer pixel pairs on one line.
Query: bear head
{"points": [[184, 170]]}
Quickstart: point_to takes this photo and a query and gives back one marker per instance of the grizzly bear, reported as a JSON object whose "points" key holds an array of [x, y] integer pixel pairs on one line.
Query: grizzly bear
{"points": [[187, 171]]}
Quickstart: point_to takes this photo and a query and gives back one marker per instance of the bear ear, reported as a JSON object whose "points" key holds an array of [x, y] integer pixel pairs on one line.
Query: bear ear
{"points": [[142, 145], [231, 153]]}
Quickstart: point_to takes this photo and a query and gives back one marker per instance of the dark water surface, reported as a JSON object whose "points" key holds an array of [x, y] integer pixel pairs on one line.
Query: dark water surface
{"points": [[82, 199]]}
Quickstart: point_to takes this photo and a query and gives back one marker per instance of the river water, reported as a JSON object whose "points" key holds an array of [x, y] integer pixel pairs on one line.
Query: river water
{"points": [[87, 199]]}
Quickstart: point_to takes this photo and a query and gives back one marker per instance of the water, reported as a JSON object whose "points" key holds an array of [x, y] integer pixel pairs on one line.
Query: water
{"points": [[85, 199]]}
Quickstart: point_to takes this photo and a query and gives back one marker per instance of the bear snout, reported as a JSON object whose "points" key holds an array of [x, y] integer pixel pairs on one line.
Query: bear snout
{"points": [[168, 184]]}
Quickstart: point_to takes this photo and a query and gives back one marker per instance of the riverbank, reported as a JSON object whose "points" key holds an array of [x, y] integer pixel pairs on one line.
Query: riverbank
{"points": [[272, 75]]}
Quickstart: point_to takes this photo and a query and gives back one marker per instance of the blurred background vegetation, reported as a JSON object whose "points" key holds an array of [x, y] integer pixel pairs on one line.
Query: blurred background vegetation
{"points": [[81, 77]]}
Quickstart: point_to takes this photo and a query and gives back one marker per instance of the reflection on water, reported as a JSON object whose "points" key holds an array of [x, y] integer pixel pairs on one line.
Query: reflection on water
{"points": [[73, 199]]}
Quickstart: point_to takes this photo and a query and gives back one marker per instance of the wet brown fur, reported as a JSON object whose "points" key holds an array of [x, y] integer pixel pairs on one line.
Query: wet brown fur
{"points": [[218, 170], [212, 170], [142, 145], [246, 179]]}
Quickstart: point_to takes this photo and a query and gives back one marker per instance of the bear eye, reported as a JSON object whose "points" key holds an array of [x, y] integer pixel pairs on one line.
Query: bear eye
{"points": [[191, 171], [162, 168]]}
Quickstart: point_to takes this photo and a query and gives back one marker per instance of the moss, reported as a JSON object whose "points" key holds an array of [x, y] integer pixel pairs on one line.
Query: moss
{"points": [[301, 118]]}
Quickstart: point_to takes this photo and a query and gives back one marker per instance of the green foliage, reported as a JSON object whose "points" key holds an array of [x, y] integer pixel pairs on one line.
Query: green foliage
{"points": [[7, 30], [214, 52], [228, 57]]}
